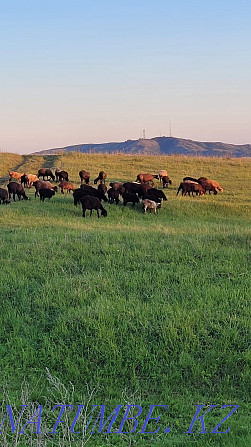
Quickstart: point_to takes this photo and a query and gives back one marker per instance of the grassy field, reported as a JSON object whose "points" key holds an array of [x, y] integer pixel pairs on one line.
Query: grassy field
{"points": [[138, 309]]}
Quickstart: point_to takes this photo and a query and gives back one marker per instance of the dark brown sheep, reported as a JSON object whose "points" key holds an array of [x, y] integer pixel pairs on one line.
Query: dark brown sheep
{"points": [[15, 188], [166, 181], [41, 184], [102, 187], [4, 196], [92, 203], [113, 195], [136, 188], [189, 187], [101, 177], [84, 176], [63, 176], [46, 172]]}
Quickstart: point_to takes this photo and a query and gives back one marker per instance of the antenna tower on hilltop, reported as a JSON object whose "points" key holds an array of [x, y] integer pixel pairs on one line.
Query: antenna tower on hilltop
{"points": [[170, 129], [144, 134]]}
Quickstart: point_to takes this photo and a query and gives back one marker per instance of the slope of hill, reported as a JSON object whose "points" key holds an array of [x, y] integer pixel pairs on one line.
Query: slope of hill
{"points": [[159, 146]]}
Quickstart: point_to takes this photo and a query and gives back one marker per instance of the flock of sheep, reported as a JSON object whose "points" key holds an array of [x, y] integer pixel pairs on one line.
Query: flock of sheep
{"points": [[91, 198]]}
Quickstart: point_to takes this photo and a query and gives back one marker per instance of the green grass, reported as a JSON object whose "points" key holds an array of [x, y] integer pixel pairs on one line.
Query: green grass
{"points": [[153, 309]]}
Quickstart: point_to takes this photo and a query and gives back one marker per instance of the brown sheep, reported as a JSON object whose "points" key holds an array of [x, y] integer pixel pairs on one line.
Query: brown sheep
{"points": [[210, 185], [66, 185], [15, 175], [146, 178], [30, 179]]}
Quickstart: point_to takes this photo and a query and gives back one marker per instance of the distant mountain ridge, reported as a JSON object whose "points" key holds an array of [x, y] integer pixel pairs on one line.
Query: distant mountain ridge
{"points": [[159, 146]]}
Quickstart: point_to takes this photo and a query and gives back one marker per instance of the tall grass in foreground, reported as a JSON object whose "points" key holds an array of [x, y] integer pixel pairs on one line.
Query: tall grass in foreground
{"points": [[155, 308]]}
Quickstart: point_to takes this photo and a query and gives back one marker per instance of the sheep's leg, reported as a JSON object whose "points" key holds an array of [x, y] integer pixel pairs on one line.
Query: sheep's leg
{"points": [[84, 210], [98, 213]]}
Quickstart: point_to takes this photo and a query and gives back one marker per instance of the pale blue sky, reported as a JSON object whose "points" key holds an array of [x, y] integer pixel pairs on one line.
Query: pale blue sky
{"points": [[102, 70]]}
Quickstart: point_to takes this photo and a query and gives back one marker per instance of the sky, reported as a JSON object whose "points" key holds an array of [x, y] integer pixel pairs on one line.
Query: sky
{"points": [[80, 71]]}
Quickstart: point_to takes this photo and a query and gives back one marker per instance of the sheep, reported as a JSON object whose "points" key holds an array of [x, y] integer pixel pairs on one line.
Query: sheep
{"points": [[191, 179], [63, 175], [15, 175], [145, 178], [4, 196], [46, 193], [210, 185], [136, 188], [29, 180], [116, 185], [24, 180], [102, 187], [190, 187], [207, 184], [113, 195], [46, 172], [67, 186], [162, 174], [89, 191], [92, 203], [40, 184], [151, 205], [15, 188], [166, 181], [130, 197], [157, 193], [57, 171], [84, 176], [101, 177]]}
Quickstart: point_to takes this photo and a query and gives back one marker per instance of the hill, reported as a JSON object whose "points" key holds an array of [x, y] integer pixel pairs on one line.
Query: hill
{"points": [[159, 146]]}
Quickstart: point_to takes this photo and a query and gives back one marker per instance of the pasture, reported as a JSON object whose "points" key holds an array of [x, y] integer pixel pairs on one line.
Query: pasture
{"points": [[136, 308]]}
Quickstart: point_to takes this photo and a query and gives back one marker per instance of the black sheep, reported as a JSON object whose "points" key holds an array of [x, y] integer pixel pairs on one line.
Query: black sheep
{"points": [[130, 197], [156, 193], [46, 193], [81, 192], [92, 203]]}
